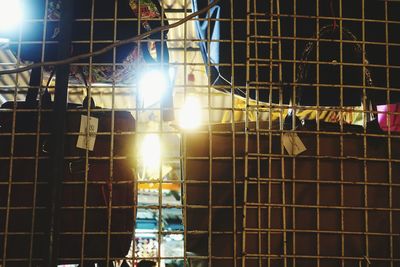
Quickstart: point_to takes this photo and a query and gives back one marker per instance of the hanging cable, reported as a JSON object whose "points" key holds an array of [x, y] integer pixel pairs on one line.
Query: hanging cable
{"points": [[114, 45]]}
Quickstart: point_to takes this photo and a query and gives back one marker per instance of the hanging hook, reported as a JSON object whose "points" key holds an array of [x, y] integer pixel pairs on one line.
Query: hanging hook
{"points": [[333, 14]]}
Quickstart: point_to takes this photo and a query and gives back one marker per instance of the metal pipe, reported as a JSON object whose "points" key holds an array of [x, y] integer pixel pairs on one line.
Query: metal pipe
{"points": [[59, 118]]}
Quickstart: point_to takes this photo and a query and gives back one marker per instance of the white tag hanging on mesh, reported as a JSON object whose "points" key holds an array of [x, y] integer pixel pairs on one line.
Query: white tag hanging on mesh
{"points": [[293, 144], [83, 141]]}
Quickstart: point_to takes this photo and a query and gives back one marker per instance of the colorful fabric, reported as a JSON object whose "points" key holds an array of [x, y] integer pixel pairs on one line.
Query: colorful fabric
{"points": [[348, 115], [146, 10], [125, 73], [122, 74]]}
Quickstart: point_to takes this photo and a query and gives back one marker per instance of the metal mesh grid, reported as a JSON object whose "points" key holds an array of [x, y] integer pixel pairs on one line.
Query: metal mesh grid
{"points": [[331, 205], [227, 193]]}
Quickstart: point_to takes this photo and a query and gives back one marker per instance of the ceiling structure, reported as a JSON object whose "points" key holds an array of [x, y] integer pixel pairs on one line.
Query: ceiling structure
{"points": [[185, 61]]}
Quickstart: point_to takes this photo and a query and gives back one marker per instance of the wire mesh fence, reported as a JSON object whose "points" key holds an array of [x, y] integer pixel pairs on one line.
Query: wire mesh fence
{"points": [[253, 133]]}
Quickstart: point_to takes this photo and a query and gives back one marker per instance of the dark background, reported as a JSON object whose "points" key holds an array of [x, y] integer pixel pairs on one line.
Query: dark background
{"points": [[307, 27]]}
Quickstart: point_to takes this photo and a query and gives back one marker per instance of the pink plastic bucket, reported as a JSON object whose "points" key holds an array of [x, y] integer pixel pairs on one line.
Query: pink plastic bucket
{"points": [[387, 120]]}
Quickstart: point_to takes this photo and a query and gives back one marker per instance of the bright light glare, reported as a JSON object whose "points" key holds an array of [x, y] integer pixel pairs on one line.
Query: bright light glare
{"points": [[151, 152], [11, 13], [190, 114], [152, 85]]}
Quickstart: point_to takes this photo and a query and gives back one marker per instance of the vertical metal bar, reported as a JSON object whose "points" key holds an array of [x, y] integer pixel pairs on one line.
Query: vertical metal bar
{"points": [[365, 162], [280, 72], [184, 173], [11, 158], [38, 132], [317, 134], [281, 118], [112, 138], [160, 190], [86, 178], [60, 110], [210, 144], [233, 125], [282, 150], [137, 116], [389, 140], [246, 125], [270, 161], [341, 135], [183, 161], [35, 79], [294, 110], [165, 110], [10, 180], [256, 129], [366, 115], [112, 132], [271, 77]]}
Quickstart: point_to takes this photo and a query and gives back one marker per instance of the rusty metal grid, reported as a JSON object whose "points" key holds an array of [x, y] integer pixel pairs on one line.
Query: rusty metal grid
{"points": [[239, 190], [334, 204], [306, 205], [20, 211]]}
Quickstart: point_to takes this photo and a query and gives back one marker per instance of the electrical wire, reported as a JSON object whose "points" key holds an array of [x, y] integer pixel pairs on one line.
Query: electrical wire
{"points": [[112, 46]]}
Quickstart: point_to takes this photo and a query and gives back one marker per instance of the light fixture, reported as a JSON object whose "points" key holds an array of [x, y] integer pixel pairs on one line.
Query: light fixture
{"points": [[150, 151], [11, 15], [152, 85], [190, 113]]}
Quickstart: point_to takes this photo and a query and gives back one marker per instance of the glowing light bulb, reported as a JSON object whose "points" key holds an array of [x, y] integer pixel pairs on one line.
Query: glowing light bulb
{"points": [[190, 114], [152, 86], [11, 14], [151, 153]]}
